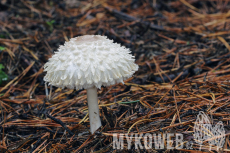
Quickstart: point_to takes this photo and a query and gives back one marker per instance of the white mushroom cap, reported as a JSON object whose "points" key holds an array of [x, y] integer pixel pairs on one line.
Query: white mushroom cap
{"points": [[88, 61]]}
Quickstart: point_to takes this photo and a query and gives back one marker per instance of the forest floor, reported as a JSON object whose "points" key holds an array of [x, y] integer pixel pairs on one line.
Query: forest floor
{"points": [[182, 48]]}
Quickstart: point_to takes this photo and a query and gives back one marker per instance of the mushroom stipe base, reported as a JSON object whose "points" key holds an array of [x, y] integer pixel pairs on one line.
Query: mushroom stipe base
{"points": [[93, 108]]}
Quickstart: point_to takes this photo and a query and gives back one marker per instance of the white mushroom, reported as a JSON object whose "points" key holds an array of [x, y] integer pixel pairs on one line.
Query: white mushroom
{"points": [[89, 62]]}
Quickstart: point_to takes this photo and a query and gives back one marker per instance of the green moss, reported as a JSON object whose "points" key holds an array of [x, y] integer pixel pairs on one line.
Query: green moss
{"points": [[3, 75]]}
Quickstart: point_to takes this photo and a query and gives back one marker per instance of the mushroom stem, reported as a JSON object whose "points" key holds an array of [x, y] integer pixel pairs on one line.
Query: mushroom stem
{"points": [[94, 116]]}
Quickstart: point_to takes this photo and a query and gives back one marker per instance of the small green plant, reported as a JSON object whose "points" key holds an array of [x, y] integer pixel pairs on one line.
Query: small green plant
{"points": [[50, 24], [2, 48], [3, 75], [2, 36]]}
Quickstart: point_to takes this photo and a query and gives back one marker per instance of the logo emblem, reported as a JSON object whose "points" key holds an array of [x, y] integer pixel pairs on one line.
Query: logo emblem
{"points": [[204, 131]]}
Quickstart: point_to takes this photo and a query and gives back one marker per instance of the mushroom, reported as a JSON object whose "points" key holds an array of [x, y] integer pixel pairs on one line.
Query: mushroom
{"points": [[89, 62]]}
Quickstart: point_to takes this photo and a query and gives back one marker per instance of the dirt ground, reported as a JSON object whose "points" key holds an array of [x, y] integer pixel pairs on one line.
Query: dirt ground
{"points": [[182, 48]]}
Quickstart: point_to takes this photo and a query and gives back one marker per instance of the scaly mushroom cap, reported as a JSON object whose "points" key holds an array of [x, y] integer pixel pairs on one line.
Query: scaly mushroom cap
{"points": [[87, 61]]}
